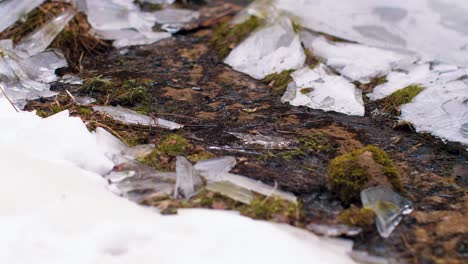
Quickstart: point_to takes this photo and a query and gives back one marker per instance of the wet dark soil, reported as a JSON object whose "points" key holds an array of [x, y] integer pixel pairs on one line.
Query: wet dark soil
{"points": [[191, 86]]}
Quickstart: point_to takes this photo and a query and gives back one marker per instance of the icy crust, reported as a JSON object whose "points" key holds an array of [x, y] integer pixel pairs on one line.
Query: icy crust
{"points": [[58, 211], [319, 88], [271, 49], [432, 28], [355, 61]]}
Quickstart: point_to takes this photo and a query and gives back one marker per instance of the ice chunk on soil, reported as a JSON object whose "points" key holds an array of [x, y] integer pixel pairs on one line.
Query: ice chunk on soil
{"points": [[231, 190], [334, 230], [74, 80], [388, 206], [41, 67], [355, 61], [213, 169], [417, 26], [267, 142], [320, 88], [109, 144], [138, 152], [40, 39], [188, 180], [131, 117], [173, 20], [13, 10], [272, 49]]}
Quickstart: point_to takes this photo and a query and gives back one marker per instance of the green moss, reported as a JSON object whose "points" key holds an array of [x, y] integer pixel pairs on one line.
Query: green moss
{"points": [[173, 145], [270, 208], [203, 155], [84, 111], [317, 142], [150, 7], [306, 90], [401, 97], [347, 177], [311, 60], [227, 36], [279, 81], [362, 217], [296, 27], [290, 154]]}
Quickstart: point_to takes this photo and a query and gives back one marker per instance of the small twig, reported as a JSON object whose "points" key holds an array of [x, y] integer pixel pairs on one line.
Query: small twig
{"points": [[8, 98], [71, 96], [111, 130]]}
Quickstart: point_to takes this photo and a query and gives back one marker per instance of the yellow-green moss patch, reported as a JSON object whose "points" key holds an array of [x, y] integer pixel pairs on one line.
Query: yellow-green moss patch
{"points": [[279, 81], [406, 95], [348, 175], [362, 217]]}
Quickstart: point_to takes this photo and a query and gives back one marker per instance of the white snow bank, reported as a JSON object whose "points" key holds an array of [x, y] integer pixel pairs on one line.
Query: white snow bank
{"points": [[54, 212]]}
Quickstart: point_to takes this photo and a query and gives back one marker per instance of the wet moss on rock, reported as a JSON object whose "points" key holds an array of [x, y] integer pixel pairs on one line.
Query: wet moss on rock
{"points": [[227, 36], [349, 174], [393, 102], [361, 217], [317, 142], [279, 81]]}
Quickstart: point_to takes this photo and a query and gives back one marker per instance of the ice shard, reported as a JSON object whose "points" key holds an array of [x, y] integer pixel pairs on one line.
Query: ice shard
{"points": [[213, 169], [419, 26], [40, 39], [355, 61], [12, 10], [231, 190], [188, 180], [320, 88], [41, 67], [131, 117], [173, 20], [272, 49], [267, 142], [388, 206]]}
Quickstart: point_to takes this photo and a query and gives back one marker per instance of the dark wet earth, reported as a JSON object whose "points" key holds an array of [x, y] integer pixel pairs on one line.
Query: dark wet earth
{"points": [[191, 86]]}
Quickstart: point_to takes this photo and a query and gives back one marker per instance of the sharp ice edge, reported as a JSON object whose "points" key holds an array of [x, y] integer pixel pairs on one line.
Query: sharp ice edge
{"points": [[334, 230], [271, 49], [330, 92], [355, 61], [173, 20], [12, 10], [231, 190], [213, 169], [388, 206], [40, 39], [128, 116]]}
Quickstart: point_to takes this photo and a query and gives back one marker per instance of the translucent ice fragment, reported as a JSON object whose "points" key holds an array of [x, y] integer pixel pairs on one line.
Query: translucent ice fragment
{"points": [[128, 116], [264, 141], [231, 190], [138, 152], [172, 19], [13, 10], [388, 206], [42, 66], [213, 169], [110, 145], [320, 88], [72, 79], [257, 186], [272, 49], [355, 61], [188, 181], [334, 230], [40, 39]]}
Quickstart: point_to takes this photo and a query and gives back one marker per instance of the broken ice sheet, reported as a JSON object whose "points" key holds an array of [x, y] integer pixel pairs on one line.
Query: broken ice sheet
{"points": [[271, 49], [355, 61], [417, 25], [188, 181], [320, 88], [267, 142], [41, 38], [131, 117], [388, 206], [231, 190], [213, 169], [13, 10], [41, 67]]}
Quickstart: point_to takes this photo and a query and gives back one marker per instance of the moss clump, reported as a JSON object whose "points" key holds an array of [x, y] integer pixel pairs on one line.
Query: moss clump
{"points": [[317, 142], [173, 145], [290, 154], [362, 217], [348, 176], [227, 36], [127, 93], [279, 81], [311, 60], [393, 102], [306, 90], [271, 208]]}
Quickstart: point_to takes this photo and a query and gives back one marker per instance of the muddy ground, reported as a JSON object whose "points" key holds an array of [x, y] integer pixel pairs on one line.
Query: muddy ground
{"points": [[189, 84]]}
